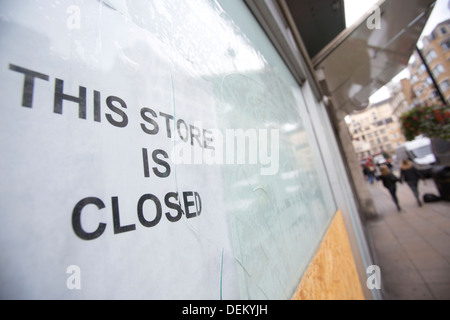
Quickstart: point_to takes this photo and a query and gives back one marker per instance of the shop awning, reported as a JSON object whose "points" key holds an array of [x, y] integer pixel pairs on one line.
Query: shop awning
{"points": [[366, 56]]}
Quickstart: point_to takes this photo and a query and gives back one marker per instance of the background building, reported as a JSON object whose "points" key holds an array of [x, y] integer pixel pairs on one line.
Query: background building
{"points": [[436, 51], [375, 129], [402, 97]]}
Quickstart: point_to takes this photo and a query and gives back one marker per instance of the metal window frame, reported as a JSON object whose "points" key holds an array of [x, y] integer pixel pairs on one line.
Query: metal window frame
{"points": [[277, 22]]}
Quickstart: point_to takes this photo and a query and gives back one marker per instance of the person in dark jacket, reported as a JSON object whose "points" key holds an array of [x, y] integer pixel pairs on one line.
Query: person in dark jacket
{"points": [[389, 181], [411, 176]]}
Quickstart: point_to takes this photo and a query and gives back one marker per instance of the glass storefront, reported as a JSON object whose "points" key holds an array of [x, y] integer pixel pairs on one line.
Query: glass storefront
{"points": [[163, 147]]}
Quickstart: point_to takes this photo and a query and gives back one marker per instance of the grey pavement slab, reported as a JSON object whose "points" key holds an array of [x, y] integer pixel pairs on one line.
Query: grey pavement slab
{"points": [[411, 247]]}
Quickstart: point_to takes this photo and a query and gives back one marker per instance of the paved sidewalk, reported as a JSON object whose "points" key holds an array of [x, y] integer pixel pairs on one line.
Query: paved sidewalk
{"points": [[412, 247]]}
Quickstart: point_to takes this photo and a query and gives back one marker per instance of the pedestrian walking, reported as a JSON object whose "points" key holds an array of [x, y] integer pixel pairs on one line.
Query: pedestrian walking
{"points": [[411, 176], [389, 181], [371, 174], [369, 171], [377, 173]]}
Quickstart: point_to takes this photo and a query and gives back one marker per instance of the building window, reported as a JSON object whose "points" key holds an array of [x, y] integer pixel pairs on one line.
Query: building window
{"points": [[446, 45], [421, 69], [445, 85], [438, 70], [431, 56], [419, 91]]}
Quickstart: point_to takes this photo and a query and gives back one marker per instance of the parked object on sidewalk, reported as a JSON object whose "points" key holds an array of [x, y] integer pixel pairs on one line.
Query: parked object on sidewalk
{"points": [[411, 176], [429, 197], [420, 153], [441, 177], [389, 181], [441, 150]]}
